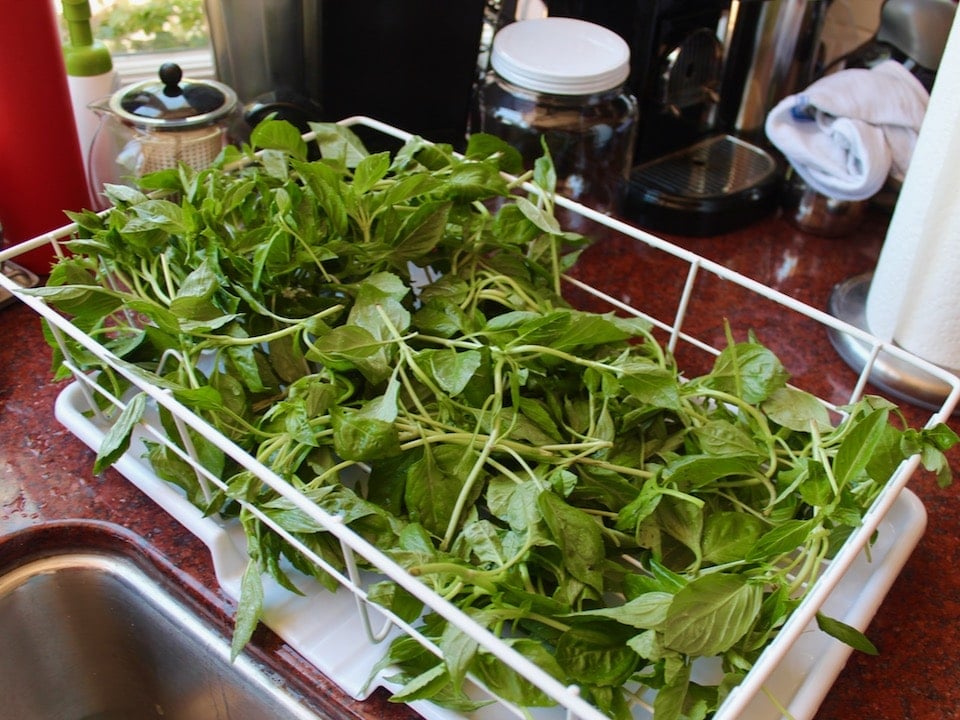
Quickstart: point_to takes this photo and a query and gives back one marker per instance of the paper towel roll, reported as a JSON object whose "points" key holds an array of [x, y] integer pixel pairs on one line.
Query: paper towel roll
{"points": [[914, 298]]}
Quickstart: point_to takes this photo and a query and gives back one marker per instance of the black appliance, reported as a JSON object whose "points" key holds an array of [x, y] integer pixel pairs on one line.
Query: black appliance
{"points": [[410, 63]]}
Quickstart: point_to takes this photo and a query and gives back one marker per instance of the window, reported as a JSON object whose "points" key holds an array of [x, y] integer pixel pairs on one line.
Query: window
{"points": [[142, 34]]}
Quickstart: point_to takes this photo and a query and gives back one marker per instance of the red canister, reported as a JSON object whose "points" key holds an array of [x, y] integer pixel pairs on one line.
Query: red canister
{"points": [[41, 166]]}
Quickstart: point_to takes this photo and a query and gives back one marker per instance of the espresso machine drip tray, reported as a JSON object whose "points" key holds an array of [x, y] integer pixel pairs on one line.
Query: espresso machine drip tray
{"points": [[714, 186]]}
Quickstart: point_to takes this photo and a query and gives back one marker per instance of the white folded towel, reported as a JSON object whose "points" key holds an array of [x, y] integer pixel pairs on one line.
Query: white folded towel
{"points": [[847, 132]]}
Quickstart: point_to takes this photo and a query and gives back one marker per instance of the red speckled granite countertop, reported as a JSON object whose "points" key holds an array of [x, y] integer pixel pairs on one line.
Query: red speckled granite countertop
{"points": [[45, 473]]}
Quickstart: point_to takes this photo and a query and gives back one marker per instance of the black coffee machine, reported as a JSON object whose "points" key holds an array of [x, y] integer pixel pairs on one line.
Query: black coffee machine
{"points": [[410, 63], [705, 73]]}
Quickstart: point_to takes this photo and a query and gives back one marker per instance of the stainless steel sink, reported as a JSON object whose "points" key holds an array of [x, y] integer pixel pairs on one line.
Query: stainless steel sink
{"points": [[88, 633]]}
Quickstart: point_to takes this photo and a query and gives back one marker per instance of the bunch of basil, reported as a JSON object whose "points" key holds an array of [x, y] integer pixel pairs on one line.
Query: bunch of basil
{"points": [[544, 469]]}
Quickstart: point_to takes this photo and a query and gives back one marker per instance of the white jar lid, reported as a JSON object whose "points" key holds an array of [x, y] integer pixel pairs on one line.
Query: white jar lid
{"points": [[562, 56]]}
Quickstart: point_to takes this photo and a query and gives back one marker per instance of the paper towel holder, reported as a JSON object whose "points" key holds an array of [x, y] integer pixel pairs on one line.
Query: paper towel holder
{"points": [[847, 302]]}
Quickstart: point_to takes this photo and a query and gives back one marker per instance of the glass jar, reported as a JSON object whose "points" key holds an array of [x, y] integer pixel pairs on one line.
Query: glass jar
{"points": [[562, 79]]}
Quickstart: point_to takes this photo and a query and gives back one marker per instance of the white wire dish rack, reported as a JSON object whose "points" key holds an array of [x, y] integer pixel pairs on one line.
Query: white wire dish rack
{"points": [[343, 635]]}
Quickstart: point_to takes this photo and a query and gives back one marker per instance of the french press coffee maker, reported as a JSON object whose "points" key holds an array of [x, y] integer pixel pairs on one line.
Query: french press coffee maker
{"points": [[158, 124]]}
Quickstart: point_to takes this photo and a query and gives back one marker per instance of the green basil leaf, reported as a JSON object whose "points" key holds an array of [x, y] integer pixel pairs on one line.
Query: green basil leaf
{"points": [[544, 172], [165, 320], [729, 536], [434, 484], [484, 540], [652, 385], [370, 170], [481, 146], [647, 611], [155, 215], [421, 232], [595, 656], [711, 614], [670, 700], [682, 520], [116, 440], [200, 399], [749, 371], [858, 447], [510, 685], [192, 300], [337, 142], [423, 687], [846, 634], [475, 180], [578, 537], [278, 135], [458, 649], [783, 539], [815, 488], [360, 438], [540, 218], [797, 410], [397, 600], [641, 507], [345, 347], [249, 609], [720, 437], [515, 504], [452, 370], [694, 471]]}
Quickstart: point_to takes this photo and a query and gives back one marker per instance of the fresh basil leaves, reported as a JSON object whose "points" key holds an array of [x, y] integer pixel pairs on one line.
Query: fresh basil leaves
{"points": [[546, 470]]}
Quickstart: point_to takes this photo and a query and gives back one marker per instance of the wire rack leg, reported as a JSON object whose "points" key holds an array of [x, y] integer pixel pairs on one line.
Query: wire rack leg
{"points": [[363, 608]]}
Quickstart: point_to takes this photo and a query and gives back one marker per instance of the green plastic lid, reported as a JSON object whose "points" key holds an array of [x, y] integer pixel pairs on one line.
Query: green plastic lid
{"points": [[83, 56]]}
